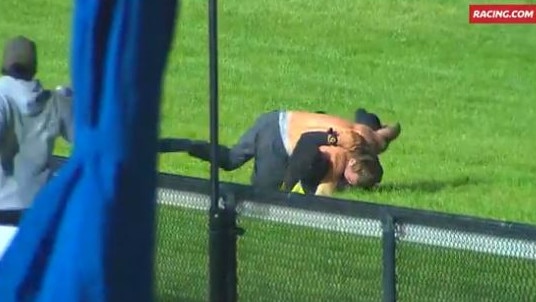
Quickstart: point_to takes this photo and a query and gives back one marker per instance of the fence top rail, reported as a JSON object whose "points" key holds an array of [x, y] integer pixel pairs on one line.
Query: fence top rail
{"points": [[351, 208]]}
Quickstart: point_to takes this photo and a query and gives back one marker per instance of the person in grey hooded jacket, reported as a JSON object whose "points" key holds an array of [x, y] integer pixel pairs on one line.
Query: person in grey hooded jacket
{"points": [[31, 118]]}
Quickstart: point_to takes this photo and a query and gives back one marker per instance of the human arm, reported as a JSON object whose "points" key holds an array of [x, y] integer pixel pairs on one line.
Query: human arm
{"points": [[337, 163], [326, 188], [65, 105]]}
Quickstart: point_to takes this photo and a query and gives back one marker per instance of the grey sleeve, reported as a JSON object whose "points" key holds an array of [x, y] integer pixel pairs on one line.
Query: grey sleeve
{"points": [[65, 105], [4, 117]]}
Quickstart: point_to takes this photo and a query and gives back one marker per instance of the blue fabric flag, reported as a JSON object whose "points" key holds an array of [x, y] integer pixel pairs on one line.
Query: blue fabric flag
{"points": [[90, 233]]}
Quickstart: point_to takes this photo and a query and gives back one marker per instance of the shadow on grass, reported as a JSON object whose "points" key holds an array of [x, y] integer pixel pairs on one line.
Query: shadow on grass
{"points": [[429, 185]]}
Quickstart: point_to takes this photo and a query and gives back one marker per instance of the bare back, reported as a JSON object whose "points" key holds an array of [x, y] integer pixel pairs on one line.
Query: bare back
{"points": [[301, 122]]}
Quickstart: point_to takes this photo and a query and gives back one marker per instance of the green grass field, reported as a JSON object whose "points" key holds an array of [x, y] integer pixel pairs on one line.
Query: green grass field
{"points": [[464, 94]]}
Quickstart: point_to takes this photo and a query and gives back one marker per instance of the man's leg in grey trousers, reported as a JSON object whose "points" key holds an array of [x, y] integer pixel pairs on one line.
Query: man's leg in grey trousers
{"points": [[229, 158], [271, 157], [270, 167]]}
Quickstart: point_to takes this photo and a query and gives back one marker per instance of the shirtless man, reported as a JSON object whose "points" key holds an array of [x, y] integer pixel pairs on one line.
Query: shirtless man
{"points": [[350, 148], [318, 170]]}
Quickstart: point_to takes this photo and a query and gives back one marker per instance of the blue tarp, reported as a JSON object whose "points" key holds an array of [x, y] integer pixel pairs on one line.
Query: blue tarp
{"points": [[90, 233]]}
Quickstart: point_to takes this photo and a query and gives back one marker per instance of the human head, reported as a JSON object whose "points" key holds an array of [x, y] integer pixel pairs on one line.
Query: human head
{"points": [[20, 58], [363, 171], [363, 168]]}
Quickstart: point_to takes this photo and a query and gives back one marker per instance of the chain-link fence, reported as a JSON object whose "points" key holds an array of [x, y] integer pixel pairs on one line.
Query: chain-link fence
{"points": [[317, 249], [181, 262], [286, 255], [446, 265], [286, 262], [291, 253]]}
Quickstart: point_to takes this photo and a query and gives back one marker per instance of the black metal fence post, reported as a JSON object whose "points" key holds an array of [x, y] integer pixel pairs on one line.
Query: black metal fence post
{"points": [[389, 259], [216, 219], [216, 255], [231, 258], [224, 234]]}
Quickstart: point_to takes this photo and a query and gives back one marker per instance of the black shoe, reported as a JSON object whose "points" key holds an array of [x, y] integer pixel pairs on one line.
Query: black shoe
{"points": [[369, 119], [168, 145]]}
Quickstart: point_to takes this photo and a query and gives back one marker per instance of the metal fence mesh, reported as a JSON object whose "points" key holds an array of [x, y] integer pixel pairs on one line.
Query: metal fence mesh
{"points": [[282, 262], [182, 248], [289, 254], [463, 267]]}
